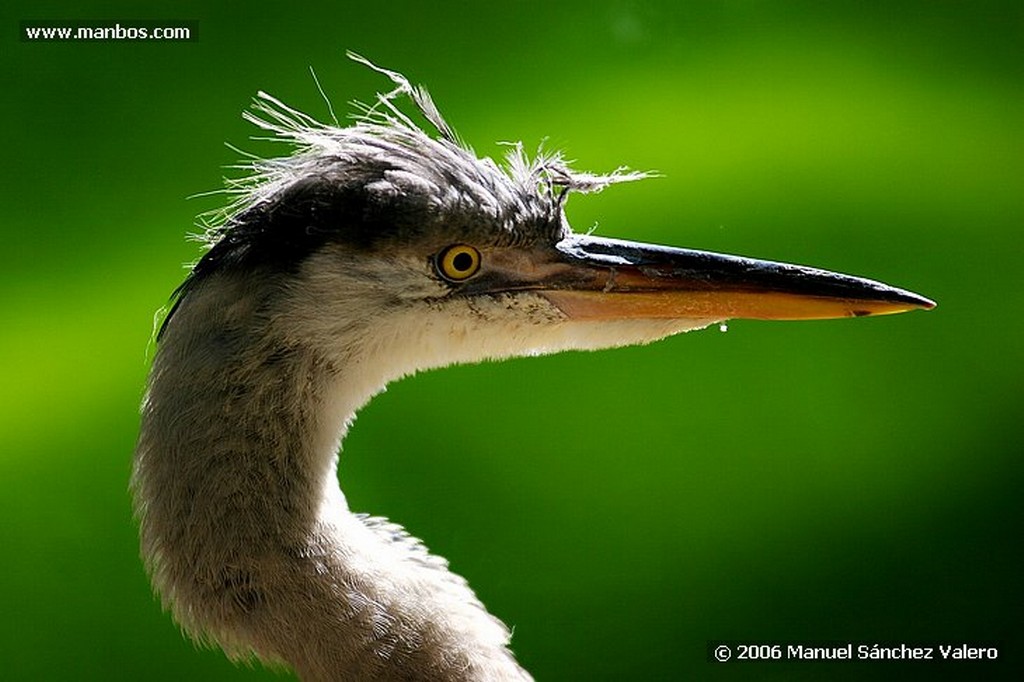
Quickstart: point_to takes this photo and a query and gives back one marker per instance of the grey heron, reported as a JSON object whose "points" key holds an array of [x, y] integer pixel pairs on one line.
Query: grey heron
{"points": [[367, 253]]}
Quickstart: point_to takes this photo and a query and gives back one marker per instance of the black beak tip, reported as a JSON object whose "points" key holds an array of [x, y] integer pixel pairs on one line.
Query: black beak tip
{"points": [[892, 300], [915, 300]]}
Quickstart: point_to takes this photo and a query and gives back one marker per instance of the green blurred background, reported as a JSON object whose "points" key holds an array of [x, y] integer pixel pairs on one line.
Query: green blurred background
{"points": [[821, 480]]}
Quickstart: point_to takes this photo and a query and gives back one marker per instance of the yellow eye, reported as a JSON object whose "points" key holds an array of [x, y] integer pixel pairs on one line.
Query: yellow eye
{"points": [[458, 262]]}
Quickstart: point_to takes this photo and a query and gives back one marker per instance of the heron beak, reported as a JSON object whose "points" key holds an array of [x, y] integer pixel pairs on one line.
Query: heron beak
{"points": [[604, 279]]}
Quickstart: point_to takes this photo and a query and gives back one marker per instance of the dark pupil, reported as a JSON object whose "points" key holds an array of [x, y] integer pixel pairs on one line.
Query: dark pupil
{"points": [[462, 261]]}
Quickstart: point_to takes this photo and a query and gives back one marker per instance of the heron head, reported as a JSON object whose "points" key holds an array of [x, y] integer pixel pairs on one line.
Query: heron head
{"points": [[407, 245]]}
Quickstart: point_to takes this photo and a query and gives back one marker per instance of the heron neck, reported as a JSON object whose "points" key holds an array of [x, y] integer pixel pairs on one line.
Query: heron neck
{"points": [[248, 536]]}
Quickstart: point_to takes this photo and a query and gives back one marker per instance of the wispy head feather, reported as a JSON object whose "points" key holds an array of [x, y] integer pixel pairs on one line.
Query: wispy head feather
{"points": [[383, 135]]}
